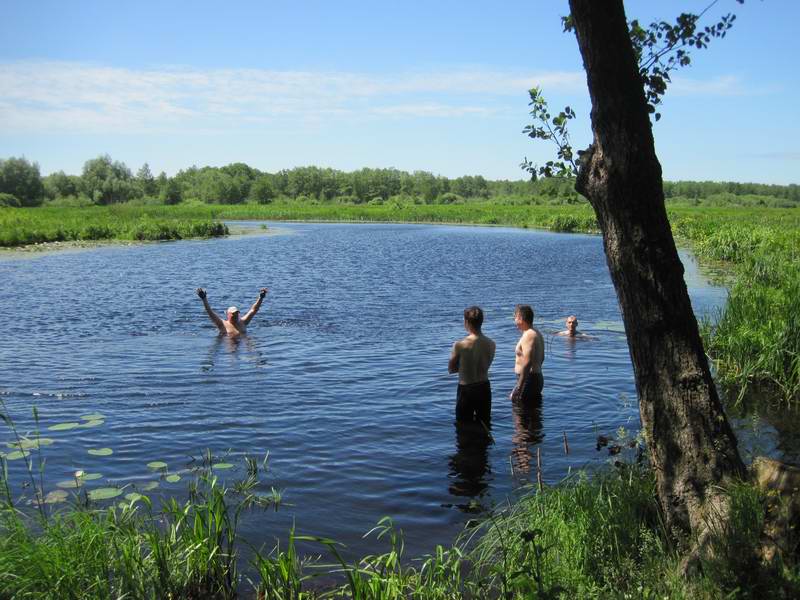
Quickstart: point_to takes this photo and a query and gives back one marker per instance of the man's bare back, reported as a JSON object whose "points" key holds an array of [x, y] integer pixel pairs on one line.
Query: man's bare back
{"points": [[474, 355]]}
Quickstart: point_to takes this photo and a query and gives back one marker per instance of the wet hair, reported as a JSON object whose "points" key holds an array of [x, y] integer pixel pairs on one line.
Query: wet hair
{"points": [[473, 316], [525, 312]]}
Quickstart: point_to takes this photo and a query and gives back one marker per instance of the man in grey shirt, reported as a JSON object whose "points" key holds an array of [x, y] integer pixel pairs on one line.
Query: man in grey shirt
{"points": [[471, 358]]}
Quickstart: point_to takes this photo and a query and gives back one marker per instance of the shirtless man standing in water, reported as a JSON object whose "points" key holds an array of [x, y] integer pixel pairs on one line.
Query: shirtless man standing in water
{"points": [[471, 358], [529, 357], [233, 325]]}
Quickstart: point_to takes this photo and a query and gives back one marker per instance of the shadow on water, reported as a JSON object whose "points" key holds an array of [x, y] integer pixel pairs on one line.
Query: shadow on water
{"points": [[527, 433], [470, 473]]}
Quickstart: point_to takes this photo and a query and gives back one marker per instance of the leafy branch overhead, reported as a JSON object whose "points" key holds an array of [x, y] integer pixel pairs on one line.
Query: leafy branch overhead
{"points": [[660, 49]]}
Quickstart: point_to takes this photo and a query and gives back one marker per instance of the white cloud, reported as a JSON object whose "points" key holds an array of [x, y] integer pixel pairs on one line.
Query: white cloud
{"points": [[727, 85], [80, 97]]}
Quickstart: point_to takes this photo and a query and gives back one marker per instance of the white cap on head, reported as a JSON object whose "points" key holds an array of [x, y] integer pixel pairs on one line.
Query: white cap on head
{"points": [[232, 309]]}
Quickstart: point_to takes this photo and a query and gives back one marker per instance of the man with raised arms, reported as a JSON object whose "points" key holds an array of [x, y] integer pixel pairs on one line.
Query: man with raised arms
{"points": [[471, 358], [233, 324], [529, 357]]}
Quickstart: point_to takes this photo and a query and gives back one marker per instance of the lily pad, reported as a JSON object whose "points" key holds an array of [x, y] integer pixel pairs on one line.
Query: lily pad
{"points": [[93, 417], [101, 451], [93, 423], [29, 444], [70, 484], [220, 466], [17, 454], [150, 485], [173, 478], [133, 497], [157, 464], [64, 426], [55, 497], [90, 476], [105, 493]]}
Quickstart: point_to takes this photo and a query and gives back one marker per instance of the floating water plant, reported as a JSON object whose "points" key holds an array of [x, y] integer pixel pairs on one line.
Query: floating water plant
{"points": [[157, 464], [93, 423], [29, 444], [70, 484], [55, 497], [90, 476], [149, 486], [64, 426], [100, 451], [104, 493], [222, 465], [93, 417], [173, 478], [17, 454], [133, 497]]}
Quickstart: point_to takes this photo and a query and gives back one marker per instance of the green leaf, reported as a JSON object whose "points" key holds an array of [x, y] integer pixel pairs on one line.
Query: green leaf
{"points": [[16, 455], [64, 426], [101, 451], [93, 417], [55, 497], [90, 476], [150, 485], [104, 493], [173, 478], [220, 466], [157, 464], [93, 423]]}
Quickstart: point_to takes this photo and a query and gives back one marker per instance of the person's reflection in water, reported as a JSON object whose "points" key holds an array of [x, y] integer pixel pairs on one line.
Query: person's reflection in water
{"points": [[527, 432], [469, 466], [232, 345]]}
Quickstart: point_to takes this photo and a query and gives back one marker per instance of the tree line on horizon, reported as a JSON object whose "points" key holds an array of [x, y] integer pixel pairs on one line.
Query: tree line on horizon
{"points": [[105, 181]]}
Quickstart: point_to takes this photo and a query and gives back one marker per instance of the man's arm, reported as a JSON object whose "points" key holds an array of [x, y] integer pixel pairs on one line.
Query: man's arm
{"points": [[452, 365], [211, 314], [526, 346], [254, 309]]}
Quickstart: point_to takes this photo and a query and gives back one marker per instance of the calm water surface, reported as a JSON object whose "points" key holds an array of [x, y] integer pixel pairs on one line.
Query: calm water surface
{"points": [[342, 377]]}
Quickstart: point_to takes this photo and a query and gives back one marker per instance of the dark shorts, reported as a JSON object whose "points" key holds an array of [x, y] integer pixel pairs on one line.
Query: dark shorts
{"points": [[474, 402], [531, 390]]}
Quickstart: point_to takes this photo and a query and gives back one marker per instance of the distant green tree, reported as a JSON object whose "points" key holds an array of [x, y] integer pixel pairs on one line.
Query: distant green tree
{"points": [[171, 191], [61, 185], [262, 190], [21, 179], [146, 181], [106, 181]]}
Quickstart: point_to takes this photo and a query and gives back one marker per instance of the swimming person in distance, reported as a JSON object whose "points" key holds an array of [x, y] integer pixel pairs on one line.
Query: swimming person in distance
{"points": [[233, 324], [529, 357], [471, 358], [572, 330]]}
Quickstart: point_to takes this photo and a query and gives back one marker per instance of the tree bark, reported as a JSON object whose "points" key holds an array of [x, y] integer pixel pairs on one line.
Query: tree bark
{"points": [[692, 447]]}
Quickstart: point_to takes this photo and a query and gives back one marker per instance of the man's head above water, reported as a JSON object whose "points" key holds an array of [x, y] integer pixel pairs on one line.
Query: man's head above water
{"points": [[232, 313]]}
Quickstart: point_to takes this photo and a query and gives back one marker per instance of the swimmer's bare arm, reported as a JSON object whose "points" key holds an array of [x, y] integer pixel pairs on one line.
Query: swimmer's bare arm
{"points": [[254, 309], [452, 365], [211, 314]]}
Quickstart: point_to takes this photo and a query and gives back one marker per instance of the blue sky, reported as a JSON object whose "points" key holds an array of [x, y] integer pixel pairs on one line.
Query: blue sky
{"points": [[436, 86]]}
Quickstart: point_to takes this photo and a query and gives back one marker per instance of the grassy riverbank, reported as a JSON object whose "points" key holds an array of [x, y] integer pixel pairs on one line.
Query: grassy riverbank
{"points": [[25, 226], [587, 538]]}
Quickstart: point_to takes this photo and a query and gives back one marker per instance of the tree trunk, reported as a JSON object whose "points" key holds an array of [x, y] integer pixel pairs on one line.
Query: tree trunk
{"points": [[691, 444]]}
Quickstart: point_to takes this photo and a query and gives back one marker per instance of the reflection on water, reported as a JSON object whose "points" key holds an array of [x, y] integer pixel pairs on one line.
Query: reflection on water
{"points": [[236, 347], [527, 434], [470, 473]]}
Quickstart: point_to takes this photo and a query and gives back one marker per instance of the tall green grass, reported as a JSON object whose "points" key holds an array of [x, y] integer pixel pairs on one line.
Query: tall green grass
{"points": [[20, 226]]}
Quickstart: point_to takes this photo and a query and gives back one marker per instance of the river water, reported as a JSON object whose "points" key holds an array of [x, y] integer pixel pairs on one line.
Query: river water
{"points": [[342, 377]]}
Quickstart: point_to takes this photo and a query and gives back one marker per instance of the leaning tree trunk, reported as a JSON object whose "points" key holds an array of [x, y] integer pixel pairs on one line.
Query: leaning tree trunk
{"points": [[691, 444]]}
